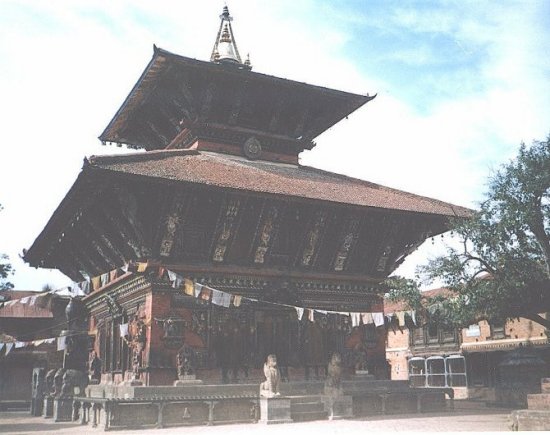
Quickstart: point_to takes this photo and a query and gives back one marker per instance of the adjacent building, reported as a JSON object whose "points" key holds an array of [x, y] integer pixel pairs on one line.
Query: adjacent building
{"points": [[467, 359]]}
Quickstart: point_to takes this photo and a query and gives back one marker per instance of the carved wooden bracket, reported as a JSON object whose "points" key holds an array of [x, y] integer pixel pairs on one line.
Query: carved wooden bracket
{"points": [[350, 238], [174, 220], [228, 225], [314, 237], [266, 234]]}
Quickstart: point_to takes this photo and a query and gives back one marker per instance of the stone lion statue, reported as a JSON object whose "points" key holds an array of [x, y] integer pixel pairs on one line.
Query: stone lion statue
{"points": [[270, 388], [333, 383]]}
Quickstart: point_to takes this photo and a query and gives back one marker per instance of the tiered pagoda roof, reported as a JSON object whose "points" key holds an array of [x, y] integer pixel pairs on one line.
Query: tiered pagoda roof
{"points": [[219, 187]]}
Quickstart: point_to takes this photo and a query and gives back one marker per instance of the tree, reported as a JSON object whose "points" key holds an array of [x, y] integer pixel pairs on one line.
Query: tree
{"points": [[5, 270], [502, 268]]}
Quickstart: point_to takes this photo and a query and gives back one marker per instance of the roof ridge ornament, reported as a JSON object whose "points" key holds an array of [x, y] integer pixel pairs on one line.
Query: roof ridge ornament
{"points": [[225, 49]]}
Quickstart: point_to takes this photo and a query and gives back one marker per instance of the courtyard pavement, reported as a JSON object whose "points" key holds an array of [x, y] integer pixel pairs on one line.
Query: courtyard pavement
{"points": [[467, 416]]}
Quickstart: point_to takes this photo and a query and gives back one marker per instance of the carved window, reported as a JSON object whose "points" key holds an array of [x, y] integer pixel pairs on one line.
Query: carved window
{"points": [[448, 335], [498, 331], [432, 333]]}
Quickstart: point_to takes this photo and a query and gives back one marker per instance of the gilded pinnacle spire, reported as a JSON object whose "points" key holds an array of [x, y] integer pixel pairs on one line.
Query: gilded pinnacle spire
{"points": [[225, 49]]}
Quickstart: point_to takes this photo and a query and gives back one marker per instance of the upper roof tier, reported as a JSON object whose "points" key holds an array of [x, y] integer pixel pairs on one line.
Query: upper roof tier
{"points": [[178, 100]]}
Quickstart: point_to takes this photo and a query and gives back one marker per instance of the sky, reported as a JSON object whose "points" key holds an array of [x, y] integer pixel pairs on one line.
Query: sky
{"points": [[459, 84]]}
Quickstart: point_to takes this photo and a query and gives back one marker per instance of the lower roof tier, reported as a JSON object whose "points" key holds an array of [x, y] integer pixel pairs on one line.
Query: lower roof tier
{"points": [[219, 212]]}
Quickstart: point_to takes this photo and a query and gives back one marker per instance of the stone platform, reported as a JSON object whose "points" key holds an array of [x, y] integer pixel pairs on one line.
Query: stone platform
{"points": [[128, 406]]}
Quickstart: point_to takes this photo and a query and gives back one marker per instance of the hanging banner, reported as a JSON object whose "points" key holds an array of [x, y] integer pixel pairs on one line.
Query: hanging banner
{"points": [[378, 319], [237, 300], [123, 329], [61, 343]]}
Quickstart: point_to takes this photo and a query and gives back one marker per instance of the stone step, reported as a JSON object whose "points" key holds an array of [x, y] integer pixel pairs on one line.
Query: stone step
{"points": [[545, 385], [538, 401], [309, 416], [307, 407]]}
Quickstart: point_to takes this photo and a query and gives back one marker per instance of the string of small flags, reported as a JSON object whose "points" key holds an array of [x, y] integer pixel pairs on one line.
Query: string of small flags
{"points": [[7, 347], [193, 289]]}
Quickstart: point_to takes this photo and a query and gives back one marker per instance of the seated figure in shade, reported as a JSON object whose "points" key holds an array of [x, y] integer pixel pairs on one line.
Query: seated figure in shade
{"points": [[270, 388], [94, 369]]}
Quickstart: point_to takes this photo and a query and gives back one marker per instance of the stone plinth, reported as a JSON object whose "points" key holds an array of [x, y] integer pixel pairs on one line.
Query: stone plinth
{"points": [[47, 411], [274, 410], [187, 382], [526, 419], [537, 417], [540, 402], [63, 409], [338, 407], [133, 383], [364, 375], [545, 385]]}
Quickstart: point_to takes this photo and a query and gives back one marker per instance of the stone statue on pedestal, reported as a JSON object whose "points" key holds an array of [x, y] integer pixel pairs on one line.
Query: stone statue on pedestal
{"points": [[186, 362], [270, 388], [333, 383]]}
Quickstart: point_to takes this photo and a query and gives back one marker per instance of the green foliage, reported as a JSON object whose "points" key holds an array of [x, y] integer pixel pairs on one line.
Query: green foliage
{"points": [[502, 267], [5, 270]]}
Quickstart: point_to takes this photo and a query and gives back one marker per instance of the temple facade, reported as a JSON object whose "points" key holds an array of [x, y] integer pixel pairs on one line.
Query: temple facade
{"points": [[216, 201]]}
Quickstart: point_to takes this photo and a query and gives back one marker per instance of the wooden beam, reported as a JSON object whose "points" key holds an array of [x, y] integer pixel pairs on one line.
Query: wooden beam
{"points": [[103, 245], [299, 130], [208, 98], [102, 234], [277, 110], [128, 207], [237, 104]]}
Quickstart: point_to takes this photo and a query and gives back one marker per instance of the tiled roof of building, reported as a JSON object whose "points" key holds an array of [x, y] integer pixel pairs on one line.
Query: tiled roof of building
{"points": [[23, 310], [392, 307], [226, 171]]}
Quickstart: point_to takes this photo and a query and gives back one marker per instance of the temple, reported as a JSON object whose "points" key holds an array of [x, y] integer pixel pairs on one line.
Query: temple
{"points": [[215, 195]]}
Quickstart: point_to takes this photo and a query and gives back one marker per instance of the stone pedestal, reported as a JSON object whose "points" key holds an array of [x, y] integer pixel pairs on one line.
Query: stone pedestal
{"points": [[63, 409], [364, 375], [187, 380], [274, 410], [133, 383], [338, 407], [47, 411]]}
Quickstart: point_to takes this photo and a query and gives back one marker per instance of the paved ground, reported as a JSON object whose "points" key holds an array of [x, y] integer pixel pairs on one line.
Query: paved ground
{"points": [[467, 416]]}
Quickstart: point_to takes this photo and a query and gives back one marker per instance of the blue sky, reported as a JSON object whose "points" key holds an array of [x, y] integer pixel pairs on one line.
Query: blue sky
{"points": [[460, 84]]}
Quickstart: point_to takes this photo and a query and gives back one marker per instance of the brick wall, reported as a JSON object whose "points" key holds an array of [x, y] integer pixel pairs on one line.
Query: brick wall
{"points": [[397, 352]]}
